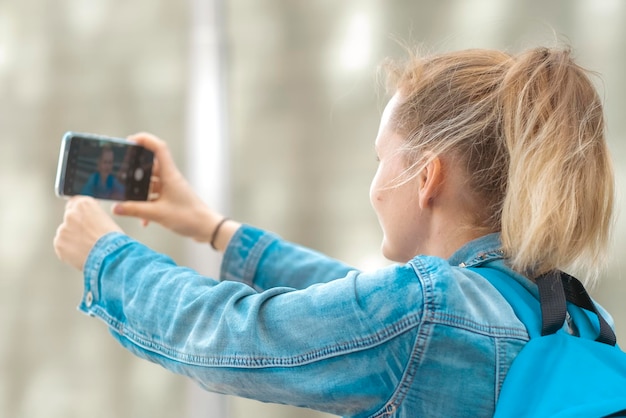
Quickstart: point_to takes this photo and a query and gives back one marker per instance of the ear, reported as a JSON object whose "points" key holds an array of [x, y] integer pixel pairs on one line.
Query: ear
{"points": [[430, 180]]}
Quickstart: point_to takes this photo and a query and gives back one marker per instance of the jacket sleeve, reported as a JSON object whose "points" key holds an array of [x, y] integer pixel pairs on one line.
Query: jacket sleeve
{"points": [[264, 261], [338, 347]]}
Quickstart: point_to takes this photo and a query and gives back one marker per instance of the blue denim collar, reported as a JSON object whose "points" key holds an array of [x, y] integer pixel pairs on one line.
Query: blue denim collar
{"points": [[478, 251]]}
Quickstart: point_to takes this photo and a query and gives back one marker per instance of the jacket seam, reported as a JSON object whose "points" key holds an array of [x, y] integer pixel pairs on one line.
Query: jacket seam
{"points": [[258, 362], [460, 322], [498, 370]]}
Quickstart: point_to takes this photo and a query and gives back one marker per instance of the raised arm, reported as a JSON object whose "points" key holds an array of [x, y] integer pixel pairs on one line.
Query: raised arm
{"points": [[323, 347], [175, 205]]}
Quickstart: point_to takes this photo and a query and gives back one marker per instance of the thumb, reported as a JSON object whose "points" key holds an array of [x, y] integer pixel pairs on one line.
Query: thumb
{"points": [[143, 210]]}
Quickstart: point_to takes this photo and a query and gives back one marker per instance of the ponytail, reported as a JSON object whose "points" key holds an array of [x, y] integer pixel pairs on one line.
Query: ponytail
{"points": [[557, 209], [529, 132]]}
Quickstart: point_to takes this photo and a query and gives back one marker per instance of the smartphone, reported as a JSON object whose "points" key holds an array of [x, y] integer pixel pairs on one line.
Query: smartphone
{"points": [[103, 167]]}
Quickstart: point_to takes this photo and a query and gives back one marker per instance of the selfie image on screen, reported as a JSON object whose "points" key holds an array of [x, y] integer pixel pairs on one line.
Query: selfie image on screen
{"points": [[100, 170]]}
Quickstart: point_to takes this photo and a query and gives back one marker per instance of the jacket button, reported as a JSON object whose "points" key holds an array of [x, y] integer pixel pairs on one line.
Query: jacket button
{"points": [[89, 299]]}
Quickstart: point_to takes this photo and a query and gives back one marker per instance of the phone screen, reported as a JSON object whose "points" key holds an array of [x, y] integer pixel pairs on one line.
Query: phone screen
{"points": [[104, 168]]}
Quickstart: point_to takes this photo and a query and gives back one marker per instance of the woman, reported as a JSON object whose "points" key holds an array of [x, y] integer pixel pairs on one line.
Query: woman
{"points": [[485, 159]]}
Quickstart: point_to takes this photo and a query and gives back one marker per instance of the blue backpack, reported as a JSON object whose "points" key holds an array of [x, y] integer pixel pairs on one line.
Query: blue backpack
{"points": [[558, 374]]}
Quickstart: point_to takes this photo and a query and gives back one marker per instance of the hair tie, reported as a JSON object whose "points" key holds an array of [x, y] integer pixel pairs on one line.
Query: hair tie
{"points": [[216, 230]]}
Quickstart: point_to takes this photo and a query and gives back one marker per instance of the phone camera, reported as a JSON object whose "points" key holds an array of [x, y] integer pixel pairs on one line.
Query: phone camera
{"points": [[139, 174]]}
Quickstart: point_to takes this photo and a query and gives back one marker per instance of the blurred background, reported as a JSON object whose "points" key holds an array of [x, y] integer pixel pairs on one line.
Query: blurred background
{"points": [[271, 107]]}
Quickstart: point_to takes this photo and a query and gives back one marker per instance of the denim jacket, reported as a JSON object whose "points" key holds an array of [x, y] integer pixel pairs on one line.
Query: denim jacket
{"points": [[285, 324]]}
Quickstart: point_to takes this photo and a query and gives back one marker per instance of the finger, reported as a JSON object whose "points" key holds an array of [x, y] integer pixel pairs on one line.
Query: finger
{"points": [[78, 200], [143, 210], [71, 208], [156, 169], [56, 242], [159, 148], [72, 202], [155, 188]]}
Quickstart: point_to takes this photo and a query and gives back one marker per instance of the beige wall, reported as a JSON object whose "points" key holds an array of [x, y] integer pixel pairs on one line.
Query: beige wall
{"points": [[111, 67], [303, 107]]}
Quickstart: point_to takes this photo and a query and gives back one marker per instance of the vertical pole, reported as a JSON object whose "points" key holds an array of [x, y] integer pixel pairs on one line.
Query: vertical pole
{"points": [[206, 155]]}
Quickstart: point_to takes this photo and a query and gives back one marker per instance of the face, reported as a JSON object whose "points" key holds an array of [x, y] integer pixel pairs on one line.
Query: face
{"points": [[393, 197], [105, 163]]}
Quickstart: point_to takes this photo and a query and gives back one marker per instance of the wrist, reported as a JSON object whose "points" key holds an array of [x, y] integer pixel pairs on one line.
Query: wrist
{"points": [[223, 231], [215, 230], [204, 226]]}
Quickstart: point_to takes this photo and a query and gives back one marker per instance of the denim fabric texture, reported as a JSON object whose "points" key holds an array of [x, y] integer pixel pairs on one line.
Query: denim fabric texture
{"points": [[285, 324]]}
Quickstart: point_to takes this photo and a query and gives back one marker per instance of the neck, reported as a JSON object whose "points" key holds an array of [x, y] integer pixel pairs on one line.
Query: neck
{"points": [[449, 228], [445, 241]]}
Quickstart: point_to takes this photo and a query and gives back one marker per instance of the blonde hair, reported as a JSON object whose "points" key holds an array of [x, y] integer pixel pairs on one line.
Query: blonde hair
{"points": [[529, 131]]}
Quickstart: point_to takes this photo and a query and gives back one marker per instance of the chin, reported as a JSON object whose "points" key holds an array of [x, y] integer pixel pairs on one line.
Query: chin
{"points": [[394, 256]]}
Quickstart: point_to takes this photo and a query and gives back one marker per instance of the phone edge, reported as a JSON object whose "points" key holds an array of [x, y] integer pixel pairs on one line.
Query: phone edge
{"points": [[62, 164]]}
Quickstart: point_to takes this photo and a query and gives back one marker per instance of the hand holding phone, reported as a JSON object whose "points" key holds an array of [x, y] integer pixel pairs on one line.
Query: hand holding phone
{"points": [[177, 207], [103, 167]]}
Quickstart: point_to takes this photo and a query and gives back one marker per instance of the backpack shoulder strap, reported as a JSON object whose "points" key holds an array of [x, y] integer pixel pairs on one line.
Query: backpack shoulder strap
{"points": [[547, 315]]}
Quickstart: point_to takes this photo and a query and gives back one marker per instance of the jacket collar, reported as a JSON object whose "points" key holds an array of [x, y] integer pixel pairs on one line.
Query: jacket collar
{"points": [[481, 250]]}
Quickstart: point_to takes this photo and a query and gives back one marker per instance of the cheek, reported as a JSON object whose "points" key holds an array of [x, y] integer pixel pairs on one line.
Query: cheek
{"points": [[375, 193]]}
